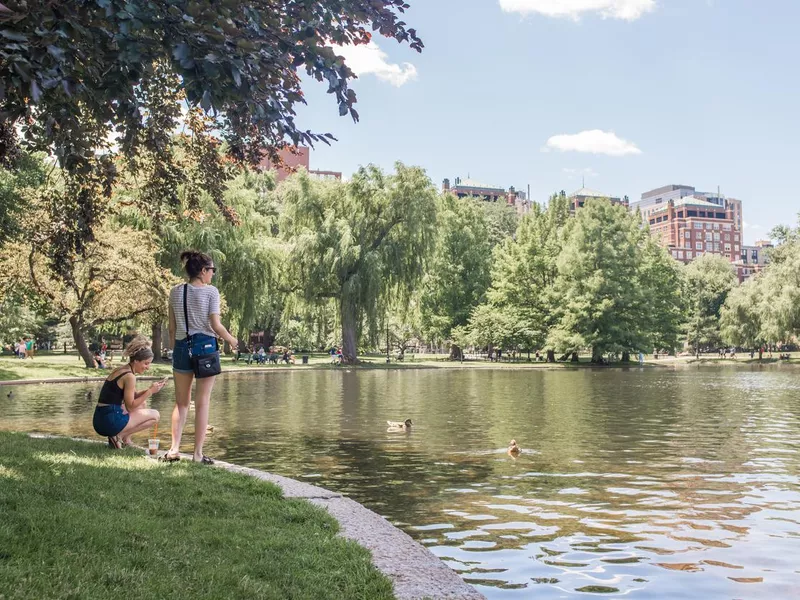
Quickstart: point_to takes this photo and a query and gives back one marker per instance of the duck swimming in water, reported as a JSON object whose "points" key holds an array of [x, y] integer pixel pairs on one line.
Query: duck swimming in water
{"points": [[399, 424], [513, 449]]}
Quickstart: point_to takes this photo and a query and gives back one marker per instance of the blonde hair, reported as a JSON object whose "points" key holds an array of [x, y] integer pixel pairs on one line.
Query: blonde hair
{"points": [[138, 349]]}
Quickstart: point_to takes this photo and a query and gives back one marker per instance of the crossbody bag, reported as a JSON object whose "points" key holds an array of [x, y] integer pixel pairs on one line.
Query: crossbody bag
{"points": [[203, 365]]}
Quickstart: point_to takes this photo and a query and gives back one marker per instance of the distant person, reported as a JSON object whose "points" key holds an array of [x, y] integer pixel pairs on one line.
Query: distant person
{"points": [[121, 410], [99, 361], [198, 336]]}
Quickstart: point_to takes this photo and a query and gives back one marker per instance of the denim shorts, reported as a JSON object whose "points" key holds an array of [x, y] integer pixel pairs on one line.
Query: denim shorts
{"points": [[201, 344], [109, 420]]}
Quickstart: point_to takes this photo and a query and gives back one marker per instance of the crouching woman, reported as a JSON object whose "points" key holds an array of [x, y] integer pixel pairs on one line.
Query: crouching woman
{"points": [[121, 410]]}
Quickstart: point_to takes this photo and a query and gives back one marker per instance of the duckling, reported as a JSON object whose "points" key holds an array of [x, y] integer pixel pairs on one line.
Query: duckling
{"points": [[210, 429], [400, 424], [513, 449], [10, 394]]}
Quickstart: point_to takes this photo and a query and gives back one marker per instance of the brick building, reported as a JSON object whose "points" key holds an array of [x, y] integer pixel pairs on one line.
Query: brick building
{"points": [[291, 161], [578, 199], [690, 227], [471, 188]]}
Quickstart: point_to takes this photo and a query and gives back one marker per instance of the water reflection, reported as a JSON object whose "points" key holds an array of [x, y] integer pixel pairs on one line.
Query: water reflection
{"points": [[660, 484]]}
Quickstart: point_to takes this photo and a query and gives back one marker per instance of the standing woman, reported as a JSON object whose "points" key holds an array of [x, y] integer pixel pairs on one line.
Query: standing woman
{"points": [[120, 410], [203, 328]]}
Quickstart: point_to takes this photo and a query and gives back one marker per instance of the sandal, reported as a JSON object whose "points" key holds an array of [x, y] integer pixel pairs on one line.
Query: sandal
{"points": [[205, 460], [170, 457], [113, 442]]}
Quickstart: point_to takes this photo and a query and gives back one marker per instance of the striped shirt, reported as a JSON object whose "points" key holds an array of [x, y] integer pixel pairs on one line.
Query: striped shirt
{"points": [[202, 301]]}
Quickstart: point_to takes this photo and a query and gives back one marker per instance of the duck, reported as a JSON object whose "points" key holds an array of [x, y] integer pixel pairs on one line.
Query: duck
{"points": [[513, 449], [399, 424], [210, 429]]}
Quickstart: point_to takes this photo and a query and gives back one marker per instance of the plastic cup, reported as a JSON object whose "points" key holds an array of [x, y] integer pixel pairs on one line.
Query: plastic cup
{"points": [[152, 447]]}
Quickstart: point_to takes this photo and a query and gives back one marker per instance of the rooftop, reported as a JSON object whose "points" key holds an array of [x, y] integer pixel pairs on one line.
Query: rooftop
{"points": [[589, 193], [471, 183], [690, 201]]}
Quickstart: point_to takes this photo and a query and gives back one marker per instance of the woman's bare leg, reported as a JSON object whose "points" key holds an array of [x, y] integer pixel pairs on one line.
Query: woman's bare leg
{"points": [[183, 396], [139, 420], [202, 401]]}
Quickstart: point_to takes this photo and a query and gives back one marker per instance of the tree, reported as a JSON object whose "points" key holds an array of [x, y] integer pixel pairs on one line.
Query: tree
{"points": [[501, 219], [76, 74], [601, 299], [766, 308], [364, 242], [661, 280], [458, 274], [708, 280], [117, 280], [525, 270]]}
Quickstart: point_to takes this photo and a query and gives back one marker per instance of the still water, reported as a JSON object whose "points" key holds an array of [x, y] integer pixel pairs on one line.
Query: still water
{"points": [[645, 483]]}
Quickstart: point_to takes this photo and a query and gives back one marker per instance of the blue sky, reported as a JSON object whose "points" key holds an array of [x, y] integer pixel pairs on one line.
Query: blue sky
{"points": [[698, 92]]}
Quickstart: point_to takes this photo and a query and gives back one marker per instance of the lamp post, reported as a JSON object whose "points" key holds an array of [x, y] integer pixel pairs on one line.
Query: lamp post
{"points": [[387, 341]]}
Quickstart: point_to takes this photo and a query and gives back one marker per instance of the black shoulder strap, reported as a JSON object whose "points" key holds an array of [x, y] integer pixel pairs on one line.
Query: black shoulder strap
{"points": [[185, 312]]}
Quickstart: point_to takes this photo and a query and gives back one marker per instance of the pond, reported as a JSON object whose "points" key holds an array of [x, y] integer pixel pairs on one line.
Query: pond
{"points": [[654, 483]]}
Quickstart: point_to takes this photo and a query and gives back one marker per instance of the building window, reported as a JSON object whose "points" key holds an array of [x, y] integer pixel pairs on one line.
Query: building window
{"points": [[727, 237], [708, 236], [698, 245], [708, 225], [716, 225], [720, 215], [688, 244], [736, 237], [680, 253], [709, 246], [727, 247], [716, 246], [736, 247], [716, 236], [674, 254], [754, 254], [688, 254], [726, 226], [698, 225], [687, 234], [680, 214]]}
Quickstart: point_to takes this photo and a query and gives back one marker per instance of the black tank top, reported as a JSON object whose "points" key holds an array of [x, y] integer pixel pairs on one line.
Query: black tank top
{"points": [[111, 392]]}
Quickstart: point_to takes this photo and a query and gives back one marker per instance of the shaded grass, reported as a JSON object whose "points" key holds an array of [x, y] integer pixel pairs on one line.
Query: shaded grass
{"points": [[82, 521]]}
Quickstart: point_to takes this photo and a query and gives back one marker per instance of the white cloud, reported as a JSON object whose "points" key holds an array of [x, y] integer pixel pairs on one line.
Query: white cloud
{"points": [[369, 58], [573, 173], [593, 142], [628, 10]]}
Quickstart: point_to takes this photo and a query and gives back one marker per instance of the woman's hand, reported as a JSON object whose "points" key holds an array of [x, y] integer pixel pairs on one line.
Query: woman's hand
{"points": [[158, 386]]}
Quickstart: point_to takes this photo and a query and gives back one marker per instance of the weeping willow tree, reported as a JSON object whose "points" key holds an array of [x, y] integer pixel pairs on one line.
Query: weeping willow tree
{"points": [[362, 243]]}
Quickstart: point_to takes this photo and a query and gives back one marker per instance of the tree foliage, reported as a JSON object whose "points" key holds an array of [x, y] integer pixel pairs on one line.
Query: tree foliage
{"points": [[708, 280], [363, 242], [458, 274], [77, 74]]}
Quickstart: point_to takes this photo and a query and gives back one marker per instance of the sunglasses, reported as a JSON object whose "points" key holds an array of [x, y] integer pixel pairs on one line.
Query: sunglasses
{"points": [[211, 269]]}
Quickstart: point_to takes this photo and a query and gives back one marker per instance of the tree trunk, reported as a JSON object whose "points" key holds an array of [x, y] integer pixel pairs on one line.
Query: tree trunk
{"points": [[597, 357], [158, 343], [551, 356], [626, 356], [349, 317], [490, 351], [575, 357], [455, 352], [80, 342]]}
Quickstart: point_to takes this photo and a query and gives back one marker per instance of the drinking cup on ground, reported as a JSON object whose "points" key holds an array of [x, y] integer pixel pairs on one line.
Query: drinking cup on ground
{"points": [[152, 447]]}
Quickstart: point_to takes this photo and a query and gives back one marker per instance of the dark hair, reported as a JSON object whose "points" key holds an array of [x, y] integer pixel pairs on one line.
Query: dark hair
{"points": [[194, 262]]}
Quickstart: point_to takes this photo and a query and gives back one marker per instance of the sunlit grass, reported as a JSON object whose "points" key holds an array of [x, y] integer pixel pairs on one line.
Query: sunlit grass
{"points": [[82, 521]]}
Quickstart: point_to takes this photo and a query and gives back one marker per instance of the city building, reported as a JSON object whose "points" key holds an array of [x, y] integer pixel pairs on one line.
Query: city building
{"points": [[471, 188], [578, 199], [291, 159], [654, 199], [691, 226], [753, 258]]}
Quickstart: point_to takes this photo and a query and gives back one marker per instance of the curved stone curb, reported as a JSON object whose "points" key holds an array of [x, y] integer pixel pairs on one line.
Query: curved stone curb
{"points": [[414, 570], [416, 573]]}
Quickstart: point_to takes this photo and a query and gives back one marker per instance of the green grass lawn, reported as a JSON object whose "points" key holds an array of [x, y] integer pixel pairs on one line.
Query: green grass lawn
{"points": [[82, 521]]}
